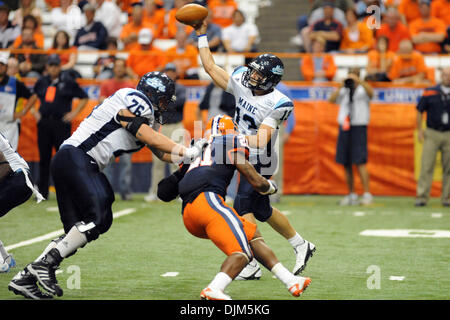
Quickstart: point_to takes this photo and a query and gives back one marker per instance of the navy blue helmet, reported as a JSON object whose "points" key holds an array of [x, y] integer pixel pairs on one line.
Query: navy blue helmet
{"points": [[270, 69], [159, 89]]}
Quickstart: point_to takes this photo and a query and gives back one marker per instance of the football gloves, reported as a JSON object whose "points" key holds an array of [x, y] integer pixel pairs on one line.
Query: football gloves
{"points": [[273, 188], [195, 150]]}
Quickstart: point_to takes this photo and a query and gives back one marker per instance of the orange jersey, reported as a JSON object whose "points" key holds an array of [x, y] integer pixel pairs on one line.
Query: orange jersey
{"points": [[441, 9], [364, 40], [183, 60], [130, 28], [308, 70], [407, 65], [38, 39], [374, 59], [395, 36], [209, 217], [157, 20], [222, 12], [410, 9], [153, 60], [433, 25]]}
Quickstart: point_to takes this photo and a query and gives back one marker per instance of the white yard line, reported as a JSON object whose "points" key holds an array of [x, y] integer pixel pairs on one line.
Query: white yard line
{"points": [[55, 234]]}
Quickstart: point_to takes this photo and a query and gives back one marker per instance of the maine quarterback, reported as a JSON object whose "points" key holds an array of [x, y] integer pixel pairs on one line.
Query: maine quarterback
{"points": [[125, 122], [260, 110]]}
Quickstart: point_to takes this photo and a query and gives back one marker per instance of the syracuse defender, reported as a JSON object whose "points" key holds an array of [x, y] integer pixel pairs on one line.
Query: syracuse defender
{"points": [[202, 185], [260, 109], [125, 122]]}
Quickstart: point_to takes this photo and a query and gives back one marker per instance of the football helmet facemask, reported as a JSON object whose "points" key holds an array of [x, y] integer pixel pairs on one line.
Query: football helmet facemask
{"points": [[263, 73], [160, 90]]}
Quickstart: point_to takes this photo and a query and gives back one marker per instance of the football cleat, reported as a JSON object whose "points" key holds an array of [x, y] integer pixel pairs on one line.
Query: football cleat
{"points": [[350, 200], [44, 271], [297, 289], [24, 284], [303, 253], [213, 294], [251, 271]]}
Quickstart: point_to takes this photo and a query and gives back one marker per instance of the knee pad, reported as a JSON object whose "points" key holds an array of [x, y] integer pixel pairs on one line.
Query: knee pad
{"points": [[89, 230]]}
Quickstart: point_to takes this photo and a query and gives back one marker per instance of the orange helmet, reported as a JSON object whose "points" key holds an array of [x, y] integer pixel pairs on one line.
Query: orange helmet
{"points": [[220, 125]]}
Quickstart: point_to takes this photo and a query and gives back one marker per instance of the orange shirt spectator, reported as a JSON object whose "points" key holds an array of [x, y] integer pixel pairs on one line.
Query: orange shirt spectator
{"points": [[222, 11], [184, 56], [125, 5], [130, 31], [432, 25], [318, 66], [38, 38], [52, 3], [409, 9], [154, 15], [393, 29], [441, 9], [427, 32], [380, 61], [144, 57], [356, 36], [408, 66]]}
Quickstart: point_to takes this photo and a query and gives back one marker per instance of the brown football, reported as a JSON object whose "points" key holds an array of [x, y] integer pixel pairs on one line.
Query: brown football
{"points": [[191, 14]]}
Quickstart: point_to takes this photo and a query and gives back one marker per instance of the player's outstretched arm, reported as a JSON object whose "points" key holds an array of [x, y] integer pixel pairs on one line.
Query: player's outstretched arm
{"points": [[258, 182], [155, 139], [219, 75]]}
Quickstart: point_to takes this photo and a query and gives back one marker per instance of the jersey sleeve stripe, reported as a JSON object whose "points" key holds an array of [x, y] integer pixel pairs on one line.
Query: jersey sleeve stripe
{"points": [[287, 104], [239, 70], [99, 135]]}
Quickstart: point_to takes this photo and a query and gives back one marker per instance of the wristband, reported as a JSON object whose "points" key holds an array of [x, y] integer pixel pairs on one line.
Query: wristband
{"points": [[203, 41]]}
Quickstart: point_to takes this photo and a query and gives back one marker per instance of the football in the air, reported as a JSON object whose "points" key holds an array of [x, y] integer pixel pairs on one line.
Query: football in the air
{"points": [[191, 14]]}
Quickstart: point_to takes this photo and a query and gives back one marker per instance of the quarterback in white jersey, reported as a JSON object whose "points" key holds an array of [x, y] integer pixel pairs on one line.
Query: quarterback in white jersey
{"points": [[260, 109], [124, 122]]}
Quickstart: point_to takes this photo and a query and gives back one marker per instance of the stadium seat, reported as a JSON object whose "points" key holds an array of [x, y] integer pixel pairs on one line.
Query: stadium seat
{"points": [[164, 44]]}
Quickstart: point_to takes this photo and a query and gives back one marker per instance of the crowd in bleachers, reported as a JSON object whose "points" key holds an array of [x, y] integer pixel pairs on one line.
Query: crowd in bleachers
{"points": [[146, 29], [394, 34]]}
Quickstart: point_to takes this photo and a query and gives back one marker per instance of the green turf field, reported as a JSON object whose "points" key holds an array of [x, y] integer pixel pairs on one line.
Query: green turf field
{"points": [[129, 260]]}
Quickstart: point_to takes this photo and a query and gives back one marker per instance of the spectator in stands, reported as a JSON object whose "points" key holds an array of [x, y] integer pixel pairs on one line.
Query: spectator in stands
{"points": [[222, 11], [27, 7], [108, 13], [56, 94], [318, 66], [409, 10], [327, 28], [145, 57], [154, 14], [317, 13], [441, 9], [8, 32], [446, 43], [240, 36], [103, 67], [30, 64], [427, 32], [93, 35], [13, 68], [172, 128], [213, 33], [67, 17], [31, 22], [380, 61], [130, 31], [436, 137], [356, 37], [408, 66], [172, 25], [184, 56], [61, 41], [362, 6], [353, 97], [393, 29], [108, 88]]}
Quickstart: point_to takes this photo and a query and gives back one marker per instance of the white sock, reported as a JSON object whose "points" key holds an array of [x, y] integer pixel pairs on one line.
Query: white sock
{"points": [[3, 253], [284, 275], [296, 240], [50, 246], [220, 281], [73, 240]]}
